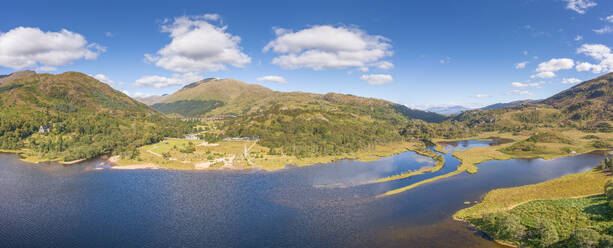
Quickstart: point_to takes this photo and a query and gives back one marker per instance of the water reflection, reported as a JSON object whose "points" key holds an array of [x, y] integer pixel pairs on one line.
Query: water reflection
{"points": [[57, 206]]}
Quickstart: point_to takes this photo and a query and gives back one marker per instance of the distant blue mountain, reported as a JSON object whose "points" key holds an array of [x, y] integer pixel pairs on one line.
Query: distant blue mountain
{"points": [[508, 104], [448, 110]]}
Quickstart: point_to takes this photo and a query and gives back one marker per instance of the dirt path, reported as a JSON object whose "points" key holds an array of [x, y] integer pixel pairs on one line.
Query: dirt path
{"points": [[155, 153], [524, 202]]}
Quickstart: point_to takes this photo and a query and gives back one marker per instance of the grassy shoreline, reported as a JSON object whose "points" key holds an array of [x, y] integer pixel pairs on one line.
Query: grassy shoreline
{"points": [[266, 162], [574, 185], [440, 162], [150, 156], [469, 158]]}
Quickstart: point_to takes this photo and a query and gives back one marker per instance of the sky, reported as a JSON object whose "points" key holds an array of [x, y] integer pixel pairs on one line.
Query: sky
{"points": [[418, 53]]}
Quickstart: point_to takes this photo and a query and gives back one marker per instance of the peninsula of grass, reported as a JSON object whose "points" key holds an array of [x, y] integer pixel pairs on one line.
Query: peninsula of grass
{"points": [[575, 142], [570, 211], [581, 184], [182, 154], [438, 164]]}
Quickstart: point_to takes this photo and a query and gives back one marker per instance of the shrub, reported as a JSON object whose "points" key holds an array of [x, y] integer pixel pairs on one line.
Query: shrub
{"points": [[601, 144], [608, 190], [504, 226], [585, 238], [547, 234]]}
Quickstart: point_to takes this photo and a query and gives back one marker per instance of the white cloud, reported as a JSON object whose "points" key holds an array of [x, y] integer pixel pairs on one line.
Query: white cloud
{"points": [[198, 46], [162, 82], [604, 30], [377, 79], [547, 69], [141, 94], [23, 47], [579, 6], [521, 65], [609, 18], [584, 66], [103, 78], [47, 68], [481, 96], [445, 60], [578, 38], [524, 85], [545, 74], [137, 94], [211, 17], [554, 65], [109, 34], [385, 65], [570, 81], [525, 52], [519, 92], [329, 47], [598, 52], [272, 79]]}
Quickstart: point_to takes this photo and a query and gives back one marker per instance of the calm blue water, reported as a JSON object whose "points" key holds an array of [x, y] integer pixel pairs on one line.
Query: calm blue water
{"points": [[49, 205]]}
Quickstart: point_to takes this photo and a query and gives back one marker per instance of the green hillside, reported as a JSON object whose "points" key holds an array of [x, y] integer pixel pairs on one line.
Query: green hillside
{"points": [[588, 102], [232, 96], [73, 116], [297, 123], [238, 98], [585, 106]]}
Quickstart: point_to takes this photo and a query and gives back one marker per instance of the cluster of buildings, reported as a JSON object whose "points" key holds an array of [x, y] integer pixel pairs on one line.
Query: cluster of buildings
{"points": [[214, 118], [196, 137], [241, 138]]}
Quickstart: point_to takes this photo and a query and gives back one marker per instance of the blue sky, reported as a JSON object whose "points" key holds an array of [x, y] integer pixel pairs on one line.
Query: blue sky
{"points": [[418, 53]]}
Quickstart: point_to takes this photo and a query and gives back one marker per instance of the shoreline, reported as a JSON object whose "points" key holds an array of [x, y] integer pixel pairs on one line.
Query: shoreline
{"points": [[377, 153], [472, 169], [114, 161]]}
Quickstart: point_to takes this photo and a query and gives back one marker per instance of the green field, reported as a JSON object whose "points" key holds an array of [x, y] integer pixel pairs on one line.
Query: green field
{"points": [[570, 222], [176, 154]]}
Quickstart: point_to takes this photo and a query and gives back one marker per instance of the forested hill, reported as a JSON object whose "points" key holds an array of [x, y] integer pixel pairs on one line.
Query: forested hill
{"points": [[298, 123], [67, 92], [586, 106], [213, 97], [508, 104], [72, 116], [591, 99]]}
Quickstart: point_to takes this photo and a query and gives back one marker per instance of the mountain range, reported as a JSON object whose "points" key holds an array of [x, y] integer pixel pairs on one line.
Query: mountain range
{"points": [[215, 97], [72, 115]]}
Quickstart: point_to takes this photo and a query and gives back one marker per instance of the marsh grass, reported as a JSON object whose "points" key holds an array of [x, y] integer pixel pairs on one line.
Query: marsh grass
{"points": [[581, 184]]}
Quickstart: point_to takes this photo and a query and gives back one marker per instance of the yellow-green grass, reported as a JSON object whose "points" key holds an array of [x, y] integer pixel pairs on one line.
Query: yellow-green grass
{"points": [[440, 162], [476, 155], [429, 180], [153, 154], [470, 157], [258, 155], [568, 214], [565, 216], [581, 184], [276, 162], [27, 155]]}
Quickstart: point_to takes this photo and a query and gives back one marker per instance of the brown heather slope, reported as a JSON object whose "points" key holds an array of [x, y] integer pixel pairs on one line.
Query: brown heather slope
{"points": [[15, 75], [69, 91], [239, 98], [586, 106], [591, 99]]}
